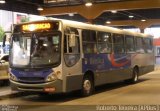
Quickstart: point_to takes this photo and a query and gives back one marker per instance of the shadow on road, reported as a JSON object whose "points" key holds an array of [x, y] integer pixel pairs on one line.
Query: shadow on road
{"points": [[4, 83], [111, 86]]}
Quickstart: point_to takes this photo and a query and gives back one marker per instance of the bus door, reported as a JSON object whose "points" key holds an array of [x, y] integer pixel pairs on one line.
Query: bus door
{"points": [[72, 59]]}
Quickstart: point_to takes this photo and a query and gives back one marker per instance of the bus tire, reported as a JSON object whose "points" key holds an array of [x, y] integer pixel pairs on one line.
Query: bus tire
{"points": [[43, 94], [135, 77], [87, 86]]}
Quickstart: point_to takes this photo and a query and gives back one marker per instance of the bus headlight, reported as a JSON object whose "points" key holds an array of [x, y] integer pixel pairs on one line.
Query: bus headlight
{"points": [[13, 77], [51, 77]]}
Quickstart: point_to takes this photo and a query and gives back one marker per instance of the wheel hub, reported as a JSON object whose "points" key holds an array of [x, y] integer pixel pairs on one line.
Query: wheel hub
{"points": [[87, 85]]}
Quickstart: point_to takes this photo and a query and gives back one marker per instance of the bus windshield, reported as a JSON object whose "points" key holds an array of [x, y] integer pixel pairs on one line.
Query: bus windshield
{"points": [[35, 49]]}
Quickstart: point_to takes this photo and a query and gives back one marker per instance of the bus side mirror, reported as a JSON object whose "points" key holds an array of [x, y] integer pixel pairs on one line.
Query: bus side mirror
{"points": [[4, 40], [72, 40]]}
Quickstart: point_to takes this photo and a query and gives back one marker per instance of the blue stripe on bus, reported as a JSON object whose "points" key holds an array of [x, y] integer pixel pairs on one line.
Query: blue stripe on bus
{"points": [[42, 73], [105, 62]]}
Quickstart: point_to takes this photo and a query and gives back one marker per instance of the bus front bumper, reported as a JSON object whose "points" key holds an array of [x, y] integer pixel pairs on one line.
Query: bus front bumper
{"points": [[49, 87]]}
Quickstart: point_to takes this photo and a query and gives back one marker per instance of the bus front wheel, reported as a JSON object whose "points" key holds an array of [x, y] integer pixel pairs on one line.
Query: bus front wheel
{"points": [[87, 85]]}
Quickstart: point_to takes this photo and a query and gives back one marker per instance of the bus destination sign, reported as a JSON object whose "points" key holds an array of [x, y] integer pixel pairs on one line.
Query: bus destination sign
{"points": [[37, 26]]}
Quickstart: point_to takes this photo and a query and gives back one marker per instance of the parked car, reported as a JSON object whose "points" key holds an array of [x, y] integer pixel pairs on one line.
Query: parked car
{"points": [[4, 64]]}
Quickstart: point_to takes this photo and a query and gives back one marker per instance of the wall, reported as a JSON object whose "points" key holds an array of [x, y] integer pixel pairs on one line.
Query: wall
{"points": [[6, 19]]}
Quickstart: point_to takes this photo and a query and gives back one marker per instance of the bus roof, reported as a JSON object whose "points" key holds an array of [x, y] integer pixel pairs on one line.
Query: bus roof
{"points": [[92, 27]]}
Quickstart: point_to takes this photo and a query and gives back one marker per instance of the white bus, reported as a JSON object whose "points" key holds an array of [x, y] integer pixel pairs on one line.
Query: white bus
{"points": [[58, 56]]}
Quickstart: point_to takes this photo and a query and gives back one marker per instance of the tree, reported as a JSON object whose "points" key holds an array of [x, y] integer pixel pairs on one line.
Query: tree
{"points": [[1, 34]]}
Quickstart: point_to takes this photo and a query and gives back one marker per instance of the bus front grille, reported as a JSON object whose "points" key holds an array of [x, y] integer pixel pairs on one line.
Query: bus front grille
{"points": [[31, 79]]}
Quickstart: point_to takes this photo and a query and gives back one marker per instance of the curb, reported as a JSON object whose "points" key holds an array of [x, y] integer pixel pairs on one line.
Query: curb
{"points": [[13, 95]]}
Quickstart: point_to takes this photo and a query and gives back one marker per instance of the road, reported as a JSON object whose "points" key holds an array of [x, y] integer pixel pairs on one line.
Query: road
{"points": [[145, 92]]}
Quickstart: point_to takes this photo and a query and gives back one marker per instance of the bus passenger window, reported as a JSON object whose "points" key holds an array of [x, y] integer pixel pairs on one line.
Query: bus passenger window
{"points": [[148, 45], [104, 42], [118, 42], [89, 48], [139, 45], [130, 47], [89, 41]]}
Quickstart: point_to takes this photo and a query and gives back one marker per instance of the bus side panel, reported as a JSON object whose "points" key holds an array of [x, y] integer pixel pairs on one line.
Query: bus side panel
{"points": [[146, 69], [113, 76], [73, 82], [145, 62], [108, 67]]}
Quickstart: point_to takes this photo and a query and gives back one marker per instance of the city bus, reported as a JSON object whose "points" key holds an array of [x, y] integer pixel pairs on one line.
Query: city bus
{"points": [[59, 56]]}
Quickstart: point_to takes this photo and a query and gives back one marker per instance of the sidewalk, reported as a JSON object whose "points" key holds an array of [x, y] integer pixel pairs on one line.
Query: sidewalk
{"points": [[6, 92], [157, 67]]}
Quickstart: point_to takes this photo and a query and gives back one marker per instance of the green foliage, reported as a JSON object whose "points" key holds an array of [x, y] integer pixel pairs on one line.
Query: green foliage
{"points": [[1, 34]]}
